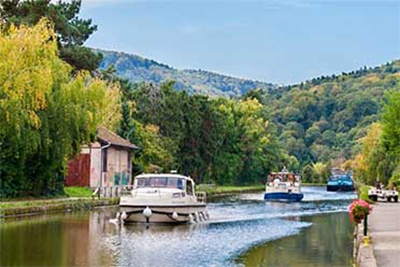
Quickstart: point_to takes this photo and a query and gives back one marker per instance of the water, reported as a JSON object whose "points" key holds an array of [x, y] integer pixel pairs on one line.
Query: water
{"points": [[243, 230]]}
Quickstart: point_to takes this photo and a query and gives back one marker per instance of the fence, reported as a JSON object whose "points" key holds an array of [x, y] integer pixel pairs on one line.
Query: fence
{"points": [[112, 191]]}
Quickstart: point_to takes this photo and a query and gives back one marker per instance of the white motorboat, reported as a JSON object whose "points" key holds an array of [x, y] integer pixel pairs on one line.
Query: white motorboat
{"points": [[163, 198]]}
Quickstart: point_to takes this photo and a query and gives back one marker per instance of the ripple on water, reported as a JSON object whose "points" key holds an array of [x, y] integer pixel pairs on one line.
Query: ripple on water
{"points": [[197, 245], [237, 224]]}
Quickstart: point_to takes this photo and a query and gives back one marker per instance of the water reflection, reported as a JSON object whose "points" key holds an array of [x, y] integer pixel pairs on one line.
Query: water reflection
{"points": [[70, 239], [238, 223], [327, 243]]}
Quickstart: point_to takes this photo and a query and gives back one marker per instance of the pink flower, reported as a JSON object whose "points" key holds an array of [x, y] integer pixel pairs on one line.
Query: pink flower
{"points": [[358, 210]]}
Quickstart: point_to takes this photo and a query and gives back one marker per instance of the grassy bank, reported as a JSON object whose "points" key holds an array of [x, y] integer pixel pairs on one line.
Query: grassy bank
{"points": [[213, 191], [313, 184], [226, 190], [363, 193], [27, 207], [78, 191]]}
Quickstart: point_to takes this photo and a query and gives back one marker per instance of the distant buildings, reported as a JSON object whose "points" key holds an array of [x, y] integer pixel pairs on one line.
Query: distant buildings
{"points": [[106, 162]]}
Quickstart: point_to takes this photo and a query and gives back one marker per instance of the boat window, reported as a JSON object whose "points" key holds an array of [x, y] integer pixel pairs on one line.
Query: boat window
{"points": [[160, 182], [189, 187], [175, 183]]}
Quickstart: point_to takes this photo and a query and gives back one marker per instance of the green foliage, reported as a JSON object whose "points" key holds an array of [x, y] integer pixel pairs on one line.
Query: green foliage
{"points": [[45, 115], [138, 69], [213, 140], [391, 123], [322, 119], [308, 174], [71, 31], [73, 191], [235, 141], [364, 193], [222, 190]]}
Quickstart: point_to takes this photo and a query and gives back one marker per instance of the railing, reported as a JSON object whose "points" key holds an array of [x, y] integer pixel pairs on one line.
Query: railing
{"points": [[112, 191], [201, 197]]}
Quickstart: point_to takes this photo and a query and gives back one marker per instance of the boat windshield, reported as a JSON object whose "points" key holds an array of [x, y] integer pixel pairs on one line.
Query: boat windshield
{"points": [[160, 182], [340, 177]]}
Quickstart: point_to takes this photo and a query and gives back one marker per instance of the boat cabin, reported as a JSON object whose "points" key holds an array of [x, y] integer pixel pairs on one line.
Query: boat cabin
{"points": [[283, 186], [283, 179], [165, 181]]}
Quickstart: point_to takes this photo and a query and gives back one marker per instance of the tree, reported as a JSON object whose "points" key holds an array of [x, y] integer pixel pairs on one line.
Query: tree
{"points": [[374, 163], [71, 31], [391, 123], [45, 115], [321, 172], [308, 174]]}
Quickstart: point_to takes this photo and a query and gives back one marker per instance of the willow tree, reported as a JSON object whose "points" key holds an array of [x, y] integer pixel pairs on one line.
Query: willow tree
{"points": [[71, 30], [46, 114]]}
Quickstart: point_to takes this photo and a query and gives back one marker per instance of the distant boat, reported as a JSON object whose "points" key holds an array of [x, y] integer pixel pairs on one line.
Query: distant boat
{"points": [[340, 181], [283, 186]]}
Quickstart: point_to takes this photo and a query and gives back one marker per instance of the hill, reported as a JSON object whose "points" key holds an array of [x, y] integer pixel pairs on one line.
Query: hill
{"points": [[323, 119], [139, 69]]}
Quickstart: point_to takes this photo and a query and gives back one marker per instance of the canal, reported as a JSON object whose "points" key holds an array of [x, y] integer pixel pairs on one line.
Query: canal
{"points": [[242, 231]]}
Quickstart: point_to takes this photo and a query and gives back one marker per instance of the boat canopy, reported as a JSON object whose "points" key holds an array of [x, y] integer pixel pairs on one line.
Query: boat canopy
{"points": [[340, 177], [284, 177], [163, 181]]}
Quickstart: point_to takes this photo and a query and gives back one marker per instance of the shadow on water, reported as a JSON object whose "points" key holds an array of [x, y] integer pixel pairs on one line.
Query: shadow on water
{"points": [[328, 242], [238, 226]]}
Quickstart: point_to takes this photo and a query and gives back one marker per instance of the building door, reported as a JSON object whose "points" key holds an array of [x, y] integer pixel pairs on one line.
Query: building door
{"points": [[79, 171]]}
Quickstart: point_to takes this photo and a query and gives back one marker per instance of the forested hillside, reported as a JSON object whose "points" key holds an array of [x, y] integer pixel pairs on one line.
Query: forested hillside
{"points": [[350, 120], [138, 69], [322, 120], [308, 127]]}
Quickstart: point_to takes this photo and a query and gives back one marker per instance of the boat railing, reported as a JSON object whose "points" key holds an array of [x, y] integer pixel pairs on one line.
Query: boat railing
{"points": [[112, 191], [201, 197]]}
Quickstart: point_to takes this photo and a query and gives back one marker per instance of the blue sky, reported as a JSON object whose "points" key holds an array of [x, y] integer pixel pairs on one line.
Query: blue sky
{"points": [[278, 41]]}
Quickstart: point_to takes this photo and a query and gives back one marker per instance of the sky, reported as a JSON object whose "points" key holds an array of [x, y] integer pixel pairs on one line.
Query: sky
{"points": [[277, 41]]}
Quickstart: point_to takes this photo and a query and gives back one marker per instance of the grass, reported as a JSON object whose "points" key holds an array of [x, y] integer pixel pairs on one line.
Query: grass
{"points": [[29, 203], [313, 184], [81, 192], [363, 190], [78, 191], [221, 190], [17, 208]]}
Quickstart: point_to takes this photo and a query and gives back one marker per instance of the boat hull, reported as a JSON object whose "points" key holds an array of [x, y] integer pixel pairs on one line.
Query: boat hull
{"points": [[283, 197], [333, 188], [164, 214]]}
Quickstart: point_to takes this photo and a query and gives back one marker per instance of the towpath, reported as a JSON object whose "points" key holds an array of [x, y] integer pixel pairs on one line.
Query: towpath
{"points": [[384, 228]]}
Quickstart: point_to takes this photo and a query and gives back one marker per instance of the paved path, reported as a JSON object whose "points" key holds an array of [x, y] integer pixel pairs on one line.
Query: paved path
{"points": [[384, 228]]}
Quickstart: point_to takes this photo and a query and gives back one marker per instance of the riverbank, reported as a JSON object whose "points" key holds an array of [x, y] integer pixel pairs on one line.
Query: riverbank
{"points": [[219, 191], [236, 225], [30, 207], [363, 193]]}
